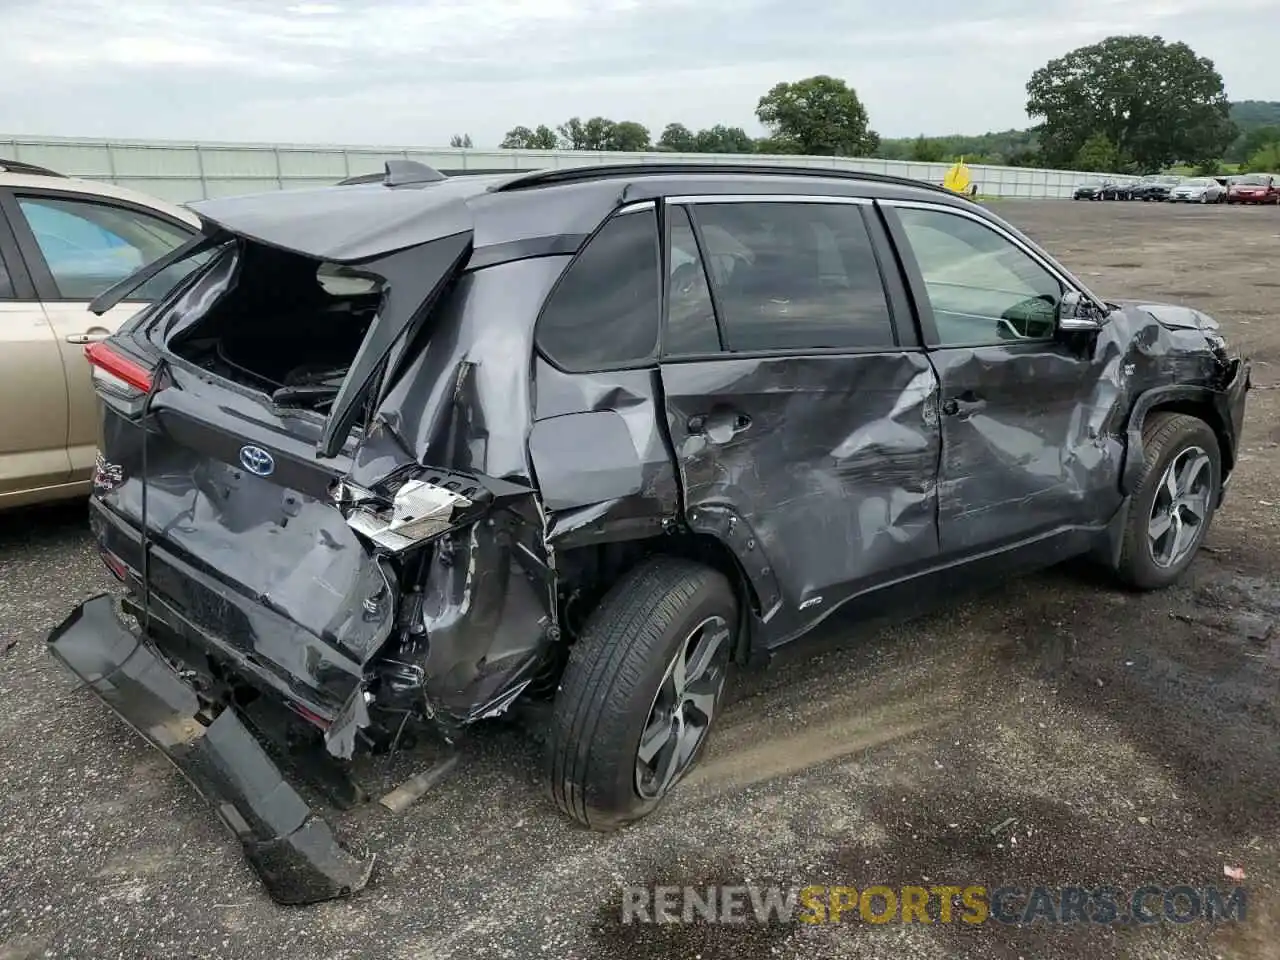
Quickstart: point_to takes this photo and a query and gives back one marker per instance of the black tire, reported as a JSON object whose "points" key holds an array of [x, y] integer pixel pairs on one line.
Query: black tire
{"points": [[613, 676], [1165, 436]]}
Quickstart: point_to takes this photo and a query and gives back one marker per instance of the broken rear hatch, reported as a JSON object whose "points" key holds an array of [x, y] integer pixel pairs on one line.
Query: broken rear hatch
{"points": [[235, 414]]}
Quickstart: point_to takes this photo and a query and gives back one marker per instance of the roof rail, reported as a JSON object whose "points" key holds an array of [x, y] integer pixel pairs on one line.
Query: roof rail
{"points": [[17, 166], [604, 171]]}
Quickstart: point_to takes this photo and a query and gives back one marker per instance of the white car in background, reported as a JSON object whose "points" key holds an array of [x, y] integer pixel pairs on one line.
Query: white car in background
{"points": [[63, 241], [1198, 190]]}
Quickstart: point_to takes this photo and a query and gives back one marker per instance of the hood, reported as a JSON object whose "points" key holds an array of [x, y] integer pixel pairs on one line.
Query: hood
{"points": [[1172, 316]]}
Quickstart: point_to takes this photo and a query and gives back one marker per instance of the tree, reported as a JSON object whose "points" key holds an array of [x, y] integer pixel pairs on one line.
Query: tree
{"points": [[463, 140], [522, 138], [1257, 139], [722, 139], [1265, 160], [677, 137], [627, 135], [925, 150], [1156, 102], [1097, 155], [820, 115]]}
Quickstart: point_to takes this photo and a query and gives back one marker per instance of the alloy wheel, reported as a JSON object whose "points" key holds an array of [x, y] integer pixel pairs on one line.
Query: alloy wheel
{"points": [[683, 708], [1181, 507]]}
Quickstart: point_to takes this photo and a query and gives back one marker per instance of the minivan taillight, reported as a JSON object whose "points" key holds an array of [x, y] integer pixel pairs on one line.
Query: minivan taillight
{"points": [[115, 372]]}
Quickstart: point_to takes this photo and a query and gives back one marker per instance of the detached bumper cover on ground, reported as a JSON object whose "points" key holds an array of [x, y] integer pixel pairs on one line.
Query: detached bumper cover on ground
{"points": [[292, 849]]}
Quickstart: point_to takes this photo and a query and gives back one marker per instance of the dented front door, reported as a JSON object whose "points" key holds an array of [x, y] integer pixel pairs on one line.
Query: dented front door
{"points": [[1023, 410]]}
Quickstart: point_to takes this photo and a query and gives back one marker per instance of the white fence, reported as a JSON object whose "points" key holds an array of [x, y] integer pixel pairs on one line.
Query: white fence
{"points": [[183, 172]]}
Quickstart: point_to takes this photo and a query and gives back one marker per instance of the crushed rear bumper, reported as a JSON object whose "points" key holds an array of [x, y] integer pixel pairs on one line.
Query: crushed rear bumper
{"points": [[292, 849]]}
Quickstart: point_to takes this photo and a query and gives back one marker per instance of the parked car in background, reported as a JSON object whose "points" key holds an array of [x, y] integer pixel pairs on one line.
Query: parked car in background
{"points": [[1117, 190], [1198, 190], [63, 241], [582, 439], [1088, 190], [1255, 188], [1157, 187]]}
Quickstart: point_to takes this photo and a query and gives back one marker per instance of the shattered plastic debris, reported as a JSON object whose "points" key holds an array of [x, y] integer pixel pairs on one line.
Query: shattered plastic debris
{"points": [[1233, 873]]}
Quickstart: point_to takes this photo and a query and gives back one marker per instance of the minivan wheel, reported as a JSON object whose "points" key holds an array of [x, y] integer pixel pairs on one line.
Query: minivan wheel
{"points": [[640, 692], [1174, 501]]}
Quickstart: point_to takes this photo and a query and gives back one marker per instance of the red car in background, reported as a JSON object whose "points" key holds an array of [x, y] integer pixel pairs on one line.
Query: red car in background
{"points": [[1254, 188]]}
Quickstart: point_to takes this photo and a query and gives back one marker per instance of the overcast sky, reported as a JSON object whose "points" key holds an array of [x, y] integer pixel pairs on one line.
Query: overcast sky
{"points": [[413, 72]]}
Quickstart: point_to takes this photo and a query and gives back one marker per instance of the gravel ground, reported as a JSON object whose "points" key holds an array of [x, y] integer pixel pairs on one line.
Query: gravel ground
{"points": [[1129, 739]]}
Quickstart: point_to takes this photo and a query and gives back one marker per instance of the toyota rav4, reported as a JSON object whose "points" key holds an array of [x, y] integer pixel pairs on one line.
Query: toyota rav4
{"points": [[402, 455]]}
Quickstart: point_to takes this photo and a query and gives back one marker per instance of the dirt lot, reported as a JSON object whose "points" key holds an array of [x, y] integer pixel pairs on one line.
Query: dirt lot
{"points": [[1129, 739]]}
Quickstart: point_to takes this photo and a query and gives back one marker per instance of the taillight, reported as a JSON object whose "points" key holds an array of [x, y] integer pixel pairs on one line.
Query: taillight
{"points": [[115, 372]]}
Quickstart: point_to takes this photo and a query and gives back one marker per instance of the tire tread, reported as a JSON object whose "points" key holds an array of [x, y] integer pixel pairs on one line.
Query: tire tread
{"points": [[605, 665]]}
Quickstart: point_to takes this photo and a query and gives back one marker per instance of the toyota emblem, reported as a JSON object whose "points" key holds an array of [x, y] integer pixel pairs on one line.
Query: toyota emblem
{"points": [[256, 460]]}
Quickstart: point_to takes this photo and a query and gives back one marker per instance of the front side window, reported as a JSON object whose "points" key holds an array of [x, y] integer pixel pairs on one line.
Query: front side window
{"points": [[983, 288], [794, 276], [90, 246], [606, 309]]}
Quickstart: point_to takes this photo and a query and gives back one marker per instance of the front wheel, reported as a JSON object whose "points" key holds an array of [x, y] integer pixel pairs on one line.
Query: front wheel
{"points": [[641, 689], [1173, 502]]}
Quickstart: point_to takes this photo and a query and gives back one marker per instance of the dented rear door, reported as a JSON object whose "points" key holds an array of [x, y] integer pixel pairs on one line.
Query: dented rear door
{"points": [[804, 424]]}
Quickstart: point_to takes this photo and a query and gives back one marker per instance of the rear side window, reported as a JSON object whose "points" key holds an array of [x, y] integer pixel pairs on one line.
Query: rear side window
{"points": [[90, 246], [691, 315], [606, 309], [794, 276]]}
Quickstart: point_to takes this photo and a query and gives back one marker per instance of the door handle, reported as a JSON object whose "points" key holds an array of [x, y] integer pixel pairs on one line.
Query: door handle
{"points": [[91, 336], [719, 426], [963, 405]]}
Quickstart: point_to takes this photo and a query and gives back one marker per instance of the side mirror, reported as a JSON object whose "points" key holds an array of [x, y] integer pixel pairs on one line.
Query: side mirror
{"points": [[1078, 314]]}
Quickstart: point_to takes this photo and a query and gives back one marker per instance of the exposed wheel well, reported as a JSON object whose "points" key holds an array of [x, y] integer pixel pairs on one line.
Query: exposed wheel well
{"points": [[1201, 410], [587, 573]]}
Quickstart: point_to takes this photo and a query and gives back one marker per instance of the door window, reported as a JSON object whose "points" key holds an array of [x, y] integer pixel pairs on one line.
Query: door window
{"points": [[983, 288], [606, 309], [691, 315], [795, 276], [91, 246]]}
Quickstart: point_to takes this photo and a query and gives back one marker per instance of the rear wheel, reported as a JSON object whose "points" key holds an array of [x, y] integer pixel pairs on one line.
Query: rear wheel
{"points": [[641, 689], [1174, 501]]}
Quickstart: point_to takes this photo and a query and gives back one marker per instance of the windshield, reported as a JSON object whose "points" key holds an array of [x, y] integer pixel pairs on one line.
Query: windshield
{"points": [[1255, 180], [1199, 182], [1168, 179]]}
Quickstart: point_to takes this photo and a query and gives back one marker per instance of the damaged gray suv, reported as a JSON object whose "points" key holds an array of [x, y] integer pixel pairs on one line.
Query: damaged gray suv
{"points": [[401, 456]]}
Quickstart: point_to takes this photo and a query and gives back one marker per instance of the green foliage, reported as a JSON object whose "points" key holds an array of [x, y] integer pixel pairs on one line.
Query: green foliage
{"points": [[522, 138], [601, 133], [679, 138], [1209, 168], [1007, 147], [722, 139], [819, 115], [926, 150], [1251, 141], [627, 135], [1157, 102], [1098, 155], [1264, 160]]}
